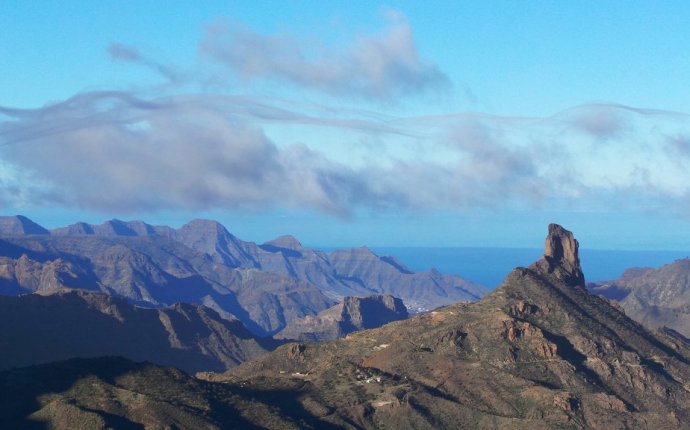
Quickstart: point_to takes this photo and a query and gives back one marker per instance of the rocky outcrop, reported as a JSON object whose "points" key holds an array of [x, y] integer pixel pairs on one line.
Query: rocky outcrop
{"points": [[351, 314], [372, 311], [22, 275], [561, 256]]}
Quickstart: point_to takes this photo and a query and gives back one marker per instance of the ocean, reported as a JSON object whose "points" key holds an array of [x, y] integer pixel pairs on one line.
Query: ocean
{"points": [[489, 266]]}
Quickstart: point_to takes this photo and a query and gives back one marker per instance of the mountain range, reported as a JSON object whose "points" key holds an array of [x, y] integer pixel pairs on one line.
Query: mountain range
{"points": [[655, 297], [265, 286], [539, 352]]}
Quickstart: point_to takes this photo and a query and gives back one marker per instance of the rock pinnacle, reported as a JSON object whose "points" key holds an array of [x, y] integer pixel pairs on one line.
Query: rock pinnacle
{"points": [[561, 256]]}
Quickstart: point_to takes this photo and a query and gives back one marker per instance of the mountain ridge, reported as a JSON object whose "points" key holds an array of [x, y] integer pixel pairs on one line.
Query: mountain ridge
{"points": [[265, 286]]}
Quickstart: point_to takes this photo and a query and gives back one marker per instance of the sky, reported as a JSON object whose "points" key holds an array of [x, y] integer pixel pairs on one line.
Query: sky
{"points": [[346, 123]]}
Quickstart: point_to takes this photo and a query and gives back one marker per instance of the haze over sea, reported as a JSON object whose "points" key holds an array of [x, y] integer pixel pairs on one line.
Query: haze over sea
{"points": [[488, 266]]}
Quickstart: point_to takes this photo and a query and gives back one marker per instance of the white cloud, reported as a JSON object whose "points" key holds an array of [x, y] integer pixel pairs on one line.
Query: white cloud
{"points": [[380, 66], [114, 152]]}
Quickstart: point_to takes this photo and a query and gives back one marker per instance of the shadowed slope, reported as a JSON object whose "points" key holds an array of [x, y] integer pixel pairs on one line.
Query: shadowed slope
{"points": [[115, 393], [41, 329]]}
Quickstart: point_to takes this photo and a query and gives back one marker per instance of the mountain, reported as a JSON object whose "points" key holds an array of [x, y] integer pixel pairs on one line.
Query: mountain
{"points": [[655, 297], [539, 352], [265, 286], [351, 314], [19, 226], [155, 271], [352, 272], [114, 227], [66, 324]]}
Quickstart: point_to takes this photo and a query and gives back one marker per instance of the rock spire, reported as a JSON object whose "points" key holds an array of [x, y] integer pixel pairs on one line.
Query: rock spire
{"points": [[561, 256]]}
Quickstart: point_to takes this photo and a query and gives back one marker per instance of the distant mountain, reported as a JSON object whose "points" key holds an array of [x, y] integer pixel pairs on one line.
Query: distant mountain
{"points": [[111, 228], [340, 273], [539, 352], [19, 226], [351, 314], [43, 328], [265, 286], [337, 274], [655, 297], [155, 271]]}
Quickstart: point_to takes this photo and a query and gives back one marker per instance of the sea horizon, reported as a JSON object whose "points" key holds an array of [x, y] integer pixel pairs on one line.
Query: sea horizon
{"points": [[488, 266]]}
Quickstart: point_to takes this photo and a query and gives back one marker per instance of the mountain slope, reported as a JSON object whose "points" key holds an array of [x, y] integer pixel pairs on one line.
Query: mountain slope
{"points": [[115, 393], [351, 314], [40, 329], [540, 352], [655, 297]]}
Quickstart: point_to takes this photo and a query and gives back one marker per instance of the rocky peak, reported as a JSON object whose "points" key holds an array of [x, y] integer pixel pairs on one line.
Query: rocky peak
{"points": [[77, 229], [561, 256], [351, 314], [285, 242], [115, 227], [204, 226], [19, 226], [140, 228]]}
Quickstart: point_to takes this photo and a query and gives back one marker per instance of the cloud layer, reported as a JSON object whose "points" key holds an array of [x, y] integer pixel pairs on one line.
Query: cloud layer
{"points": [[113, 151]]}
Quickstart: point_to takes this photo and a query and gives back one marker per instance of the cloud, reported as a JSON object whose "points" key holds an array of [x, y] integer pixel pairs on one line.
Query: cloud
{"points": [[679, 145], [599, 120], [382, 66], [119, 152], [129, 54], [121, 52], [115, 152]]}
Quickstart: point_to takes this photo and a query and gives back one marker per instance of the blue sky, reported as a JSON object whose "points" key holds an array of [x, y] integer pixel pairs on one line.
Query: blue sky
{"points": [[346, 123]]}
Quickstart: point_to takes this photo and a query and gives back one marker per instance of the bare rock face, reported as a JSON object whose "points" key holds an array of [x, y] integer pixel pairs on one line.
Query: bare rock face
{"points": [[351, 314], [561, 257], [373, 311]]}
